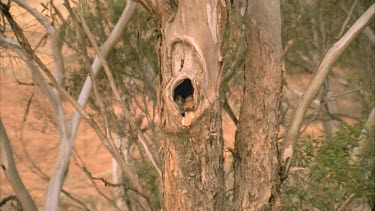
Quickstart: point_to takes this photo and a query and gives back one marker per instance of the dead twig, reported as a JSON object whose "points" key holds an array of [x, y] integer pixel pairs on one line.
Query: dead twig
{"points": [[110, 184], [346, 202], [8, 198], [116, 92]]}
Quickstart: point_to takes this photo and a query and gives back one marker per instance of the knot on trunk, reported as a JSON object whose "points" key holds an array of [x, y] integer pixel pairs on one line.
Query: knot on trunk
{"points": [[189, 90]]}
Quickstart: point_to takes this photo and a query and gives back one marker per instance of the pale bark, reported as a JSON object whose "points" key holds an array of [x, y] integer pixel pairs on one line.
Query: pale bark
{"points": [[256, 177], [61, 166], [321, 73], [26, 53], [370, 35], [359, 156], [54, 35], [55, 105], [126, 112], [364, 140], [115, 154], [348, 17], [66, 147], [11, 173], [329, 124], [122, 144]]}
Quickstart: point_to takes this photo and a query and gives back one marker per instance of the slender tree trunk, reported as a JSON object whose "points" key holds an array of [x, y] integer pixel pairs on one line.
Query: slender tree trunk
{"points": [[189, 107], [256, 178], [9, 167]]}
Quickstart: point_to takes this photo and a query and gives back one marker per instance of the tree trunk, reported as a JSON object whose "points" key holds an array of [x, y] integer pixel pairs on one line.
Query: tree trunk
{"points": [[10, 170], [256, 178], [189, 107]]}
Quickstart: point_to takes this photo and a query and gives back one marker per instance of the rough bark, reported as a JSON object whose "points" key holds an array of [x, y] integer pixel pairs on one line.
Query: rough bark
{"points": [[189, 107], [256, 177]]}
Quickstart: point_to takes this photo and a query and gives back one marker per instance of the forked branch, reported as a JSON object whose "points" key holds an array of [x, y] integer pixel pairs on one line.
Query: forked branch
{"points": [[321, 73]]}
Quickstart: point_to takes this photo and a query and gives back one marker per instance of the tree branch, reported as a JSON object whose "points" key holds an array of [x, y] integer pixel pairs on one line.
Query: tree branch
{"points": [[96, 65], [347, 18], [63, 157], [10, 170], [66, 147], [321, 73], [56, 43], [8, 198], [229, 110], [370, 35], [364, 139], [110, 184], [116, 92]]}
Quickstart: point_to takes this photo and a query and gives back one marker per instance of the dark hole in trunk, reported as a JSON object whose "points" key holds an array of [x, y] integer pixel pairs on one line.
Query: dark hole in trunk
{"points": [[184, 96], [184, 90]]}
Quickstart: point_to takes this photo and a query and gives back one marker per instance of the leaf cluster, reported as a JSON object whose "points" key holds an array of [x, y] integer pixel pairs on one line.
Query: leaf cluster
{"points": [[327, 176]]}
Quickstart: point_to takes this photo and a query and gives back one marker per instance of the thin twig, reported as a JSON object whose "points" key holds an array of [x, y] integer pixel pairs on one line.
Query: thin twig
{"points": [[343, 27], [25, 83], [80, 164], [346, 202], [116, 185], [229, 110], [87, 63], [321, 73], [55, 39], [348, 92], [31, 56], [28, 107], [116, 92], [8, 198]]}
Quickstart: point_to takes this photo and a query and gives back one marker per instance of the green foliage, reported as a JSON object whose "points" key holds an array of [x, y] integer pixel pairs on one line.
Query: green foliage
{"points": [[130, 60], [368, 102], [328, 176], [150, 180]]}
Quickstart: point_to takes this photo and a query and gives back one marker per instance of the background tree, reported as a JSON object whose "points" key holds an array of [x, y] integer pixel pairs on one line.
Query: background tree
{"points": [[256, 179]]}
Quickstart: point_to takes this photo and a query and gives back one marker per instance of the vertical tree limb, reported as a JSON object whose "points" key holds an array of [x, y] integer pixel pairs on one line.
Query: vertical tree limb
{"points": [[330, 109], [10, 170], [365, 139], [96, 65], [350, 13], [66, 147], [54, 35], [116, 92], [29, 56], [256, 180]]}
